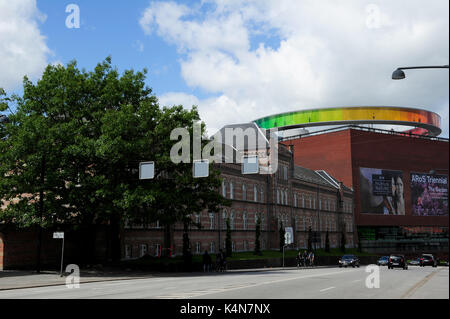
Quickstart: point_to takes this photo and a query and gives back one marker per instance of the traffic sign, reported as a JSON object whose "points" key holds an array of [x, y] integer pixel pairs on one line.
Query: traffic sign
{"points": [[58, 235], [288, 235]]}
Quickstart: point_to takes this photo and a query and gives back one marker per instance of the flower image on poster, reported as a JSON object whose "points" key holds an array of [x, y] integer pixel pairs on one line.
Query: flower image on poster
{"points": [[381, 191], [429, 194]]}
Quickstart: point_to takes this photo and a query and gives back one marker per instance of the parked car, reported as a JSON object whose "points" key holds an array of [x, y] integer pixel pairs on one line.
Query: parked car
{"points": [[415, 262], [397, 261], [383, 261], [349, 260], [428, 260]]}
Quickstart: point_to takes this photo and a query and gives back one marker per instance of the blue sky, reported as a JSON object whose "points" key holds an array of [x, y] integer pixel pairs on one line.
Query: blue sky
{"points": [[243, 59]]}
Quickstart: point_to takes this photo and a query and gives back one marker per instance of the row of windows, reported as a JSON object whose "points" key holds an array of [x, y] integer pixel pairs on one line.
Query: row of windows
{"points": [[308, 201], [143, 249], [229, 188]]}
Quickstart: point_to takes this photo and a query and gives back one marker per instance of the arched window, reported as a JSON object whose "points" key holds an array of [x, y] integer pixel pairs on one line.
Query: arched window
{"points": [[261, 197], [224, 189], [224, 219], [232, 220], [231, 191], [244, 218]]}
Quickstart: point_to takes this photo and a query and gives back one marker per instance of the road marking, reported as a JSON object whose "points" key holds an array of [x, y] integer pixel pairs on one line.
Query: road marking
{"points": [[356, 280], [322, 290], [414, 288]]}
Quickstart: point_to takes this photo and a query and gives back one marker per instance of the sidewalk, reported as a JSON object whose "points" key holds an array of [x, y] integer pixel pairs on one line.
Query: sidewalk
{"points": [[29, 279]]}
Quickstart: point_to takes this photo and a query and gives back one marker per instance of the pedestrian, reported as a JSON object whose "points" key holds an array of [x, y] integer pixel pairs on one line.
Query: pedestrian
{"points": [[224, 261], [206, 262], [299, 259], [305, 258], [312, 259], [219, 261]]}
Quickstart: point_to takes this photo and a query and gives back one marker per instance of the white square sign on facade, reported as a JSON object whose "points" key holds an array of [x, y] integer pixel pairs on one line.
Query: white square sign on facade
{"points": [[146, 170], [250, 164], [201, 168]]}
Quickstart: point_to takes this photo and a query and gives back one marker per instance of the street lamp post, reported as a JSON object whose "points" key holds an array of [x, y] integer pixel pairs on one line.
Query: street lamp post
{"points": [[398, 74]]}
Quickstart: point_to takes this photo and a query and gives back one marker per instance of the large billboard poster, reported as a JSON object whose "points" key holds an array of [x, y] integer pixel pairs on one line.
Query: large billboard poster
{"points": [[381, 191], [429, 194]]}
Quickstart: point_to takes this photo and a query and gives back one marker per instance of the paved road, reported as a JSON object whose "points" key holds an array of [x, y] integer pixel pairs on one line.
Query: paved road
{"points": [[323, 283]]}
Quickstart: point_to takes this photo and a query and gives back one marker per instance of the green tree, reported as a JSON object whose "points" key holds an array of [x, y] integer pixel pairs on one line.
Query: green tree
{"points": [[327, 242], [258, 237], [228, 244], [282, 232], [74, 145]]}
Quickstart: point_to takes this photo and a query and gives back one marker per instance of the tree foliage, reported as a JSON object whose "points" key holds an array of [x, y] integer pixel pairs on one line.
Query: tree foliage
{"points": [[74, 145]]}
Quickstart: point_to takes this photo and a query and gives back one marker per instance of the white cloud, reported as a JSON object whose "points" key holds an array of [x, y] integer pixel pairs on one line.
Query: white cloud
{"points": [[327, 54], [23, 49]]}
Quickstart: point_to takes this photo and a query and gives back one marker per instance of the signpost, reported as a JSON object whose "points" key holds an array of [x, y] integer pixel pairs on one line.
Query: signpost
{"points": [[288, 238], [60, 235]]}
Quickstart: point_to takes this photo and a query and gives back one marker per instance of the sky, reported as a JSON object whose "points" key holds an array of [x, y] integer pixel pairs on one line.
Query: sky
{"points": [[241, 60]]}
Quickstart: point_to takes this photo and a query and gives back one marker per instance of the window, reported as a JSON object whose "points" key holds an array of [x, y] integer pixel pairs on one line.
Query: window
{"points": [[295, 200], [158, 250], [262, 222], [231, 191], [303, 201], [261, 197], [211, 220], [244, 192], [245, 245], [233, 246], [255, 193], [244, 218], [232, 220], [286, 198], [263, 244], [224, 189], [320, 204], [197, 218], [224, 219], [278, 196], [128, 251], [143, 250], [212, 247], [285, 173], [198, 248]]}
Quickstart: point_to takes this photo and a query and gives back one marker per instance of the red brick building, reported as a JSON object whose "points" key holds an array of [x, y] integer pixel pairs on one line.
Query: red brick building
{"points": [[296, 197], [347, 153]]}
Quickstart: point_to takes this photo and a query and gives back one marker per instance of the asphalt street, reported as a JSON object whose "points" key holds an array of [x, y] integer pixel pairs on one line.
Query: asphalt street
{"points": [[319, 283]]}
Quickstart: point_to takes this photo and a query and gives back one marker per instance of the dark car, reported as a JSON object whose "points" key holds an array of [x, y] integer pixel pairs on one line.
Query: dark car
{"points": [[397, 261], [349, 260], [383, 261], [428, 260]]}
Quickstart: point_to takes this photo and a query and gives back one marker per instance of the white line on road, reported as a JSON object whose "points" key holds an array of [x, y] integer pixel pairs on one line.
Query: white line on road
{"points": [[322, 290], [356, 280]]}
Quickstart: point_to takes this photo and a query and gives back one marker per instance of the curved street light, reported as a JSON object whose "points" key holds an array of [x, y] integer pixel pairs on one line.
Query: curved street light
{"points": [[399, 74]]}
